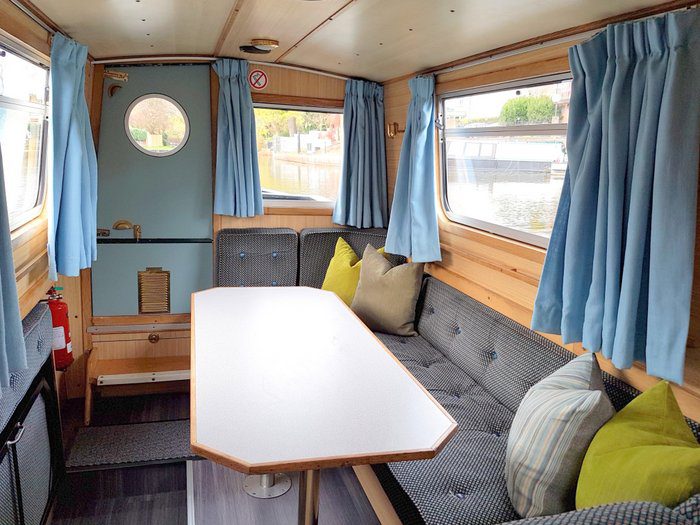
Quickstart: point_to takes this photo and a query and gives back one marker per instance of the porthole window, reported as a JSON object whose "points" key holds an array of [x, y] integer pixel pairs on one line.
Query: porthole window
{"points": [[157, 125]]}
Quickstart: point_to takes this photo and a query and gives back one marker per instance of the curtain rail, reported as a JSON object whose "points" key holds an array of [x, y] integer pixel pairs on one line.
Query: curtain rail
{"points": [[205, 58], [22, 7]]}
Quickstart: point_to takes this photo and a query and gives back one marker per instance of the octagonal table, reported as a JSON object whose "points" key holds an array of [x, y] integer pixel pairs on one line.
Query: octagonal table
{"points": [[289, 379]]}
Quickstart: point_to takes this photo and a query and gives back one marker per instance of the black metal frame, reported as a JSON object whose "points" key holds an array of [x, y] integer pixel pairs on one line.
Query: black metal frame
{"points": [[44, 384]]}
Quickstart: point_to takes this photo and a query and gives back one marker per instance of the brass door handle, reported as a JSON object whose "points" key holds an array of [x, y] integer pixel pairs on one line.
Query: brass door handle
{"points": [[153, 338]]}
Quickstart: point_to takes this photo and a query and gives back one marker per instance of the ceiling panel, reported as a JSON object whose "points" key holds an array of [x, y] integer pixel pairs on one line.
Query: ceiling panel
{"points": [[375, 39], [285, 20], [116, 27], [382, 39]]}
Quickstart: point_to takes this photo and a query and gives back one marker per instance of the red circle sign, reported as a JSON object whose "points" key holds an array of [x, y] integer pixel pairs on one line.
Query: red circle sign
{"points": [[257, 79]]}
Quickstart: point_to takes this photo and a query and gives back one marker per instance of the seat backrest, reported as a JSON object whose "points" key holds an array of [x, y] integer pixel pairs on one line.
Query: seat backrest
{"points": [[503, 356], [256, 257], [317, 246]]}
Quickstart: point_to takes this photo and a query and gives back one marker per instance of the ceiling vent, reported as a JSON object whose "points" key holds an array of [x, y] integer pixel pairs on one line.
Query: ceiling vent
{"points": [[260, 46]]}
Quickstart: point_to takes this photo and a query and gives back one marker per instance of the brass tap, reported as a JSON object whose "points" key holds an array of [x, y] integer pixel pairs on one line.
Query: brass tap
{"points": [[123, 224]]}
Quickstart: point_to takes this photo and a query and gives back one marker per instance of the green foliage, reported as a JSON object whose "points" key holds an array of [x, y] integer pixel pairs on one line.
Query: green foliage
{"points": [[138, 134], [528, 110], [284, 123]]}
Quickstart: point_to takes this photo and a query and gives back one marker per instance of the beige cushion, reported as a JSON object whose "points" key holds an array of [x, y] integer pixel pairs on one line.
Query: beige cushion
{"points": [[386, 296]]}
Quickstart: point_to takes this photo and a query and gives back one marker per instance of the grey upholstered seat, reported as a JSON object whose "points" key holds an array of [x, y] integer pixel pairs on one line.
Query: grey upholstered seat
{"points": [[478, 364], [256, 257], [37, 339], [317, 245]]}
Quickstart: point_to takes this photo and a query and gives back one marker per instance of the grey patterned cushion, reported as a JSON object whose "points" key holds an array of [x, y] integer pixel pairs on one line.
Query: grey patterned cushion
{"points": [[464, 484], [690, 509], [632, 513], [317, 245], [256, 257], [37, 338], [478, 364]]}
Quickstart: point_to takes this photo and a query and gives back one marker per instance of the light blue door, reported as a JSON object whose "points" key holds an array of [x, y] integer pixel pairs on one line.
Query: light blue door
{"points": [[170, 197]]}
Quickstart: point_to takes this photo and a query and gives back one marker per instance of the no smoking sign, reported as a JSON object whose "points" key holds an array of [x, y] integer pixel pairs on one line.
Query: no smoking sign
{"points": [[257, 79]]}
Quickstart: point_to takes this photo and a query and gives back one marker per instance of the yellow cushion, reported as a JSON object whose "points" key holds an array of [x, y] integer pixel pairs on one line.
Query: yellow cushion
{"points": [[646, 452], [343, 272]]}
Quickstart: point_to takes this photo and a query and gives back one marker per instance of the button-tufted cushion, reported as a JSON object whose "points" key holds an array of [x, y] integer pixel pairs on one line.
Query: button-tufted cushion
{"points": [[465, 483], [504, 357], [256, 257], [317, 246], [479, 364], [37, 339]]}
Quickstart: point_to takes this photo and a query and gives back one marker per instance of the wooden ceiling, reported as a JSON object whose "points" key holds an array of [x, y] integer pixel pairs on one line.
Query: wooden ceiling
{"points": [[375, 39]]}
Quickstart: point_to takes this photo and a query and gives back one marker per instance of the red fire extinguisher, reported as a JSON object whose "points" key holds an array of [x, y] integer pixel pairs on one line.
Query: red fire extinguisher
{"points": [[61, 344]]}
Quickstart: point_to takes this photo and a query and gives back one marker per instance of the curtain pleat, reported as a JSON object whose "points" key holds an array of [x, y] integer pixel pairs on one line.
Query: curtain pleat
{"points": [[73, 228], [362, 196], [413, 225], [13, 355], [237, 190], [618, 271]]}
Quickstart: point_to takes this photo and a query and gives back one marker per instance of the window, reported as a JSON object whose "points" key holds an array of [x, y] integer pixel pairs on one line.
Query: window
{"points": [[504, 157], [23, 115], [157, 125], [300, 153]]}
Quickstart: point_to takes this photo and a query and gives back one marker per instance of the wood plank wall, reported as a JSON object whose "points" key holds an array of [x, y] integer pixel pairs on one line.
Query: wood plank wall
{"points": [[286, 87], [502, 273]]}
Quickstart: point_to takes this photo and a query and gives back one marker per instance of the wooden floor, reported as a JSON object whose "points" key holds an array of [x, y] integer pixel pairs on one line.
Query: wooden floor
{"points": [[157, 494], [220, 500]]}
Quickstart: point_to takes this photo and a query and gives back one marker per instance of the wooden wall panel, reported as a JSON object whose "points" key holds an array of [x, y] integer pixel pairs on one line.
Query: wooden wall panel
{"points": [[502, 273], [19, 27], [302, 84]]}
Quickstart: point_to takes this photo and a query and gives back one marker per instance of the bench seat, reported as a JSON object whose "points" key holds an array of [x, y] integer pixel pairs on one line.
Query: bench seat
{"points": [[479, 364], [476, 362]]}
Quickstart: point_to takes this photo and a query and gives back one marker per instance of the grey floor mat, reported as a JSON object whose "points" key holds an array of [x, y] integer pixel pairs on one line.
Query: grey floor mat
{"points": [[117, 446]]}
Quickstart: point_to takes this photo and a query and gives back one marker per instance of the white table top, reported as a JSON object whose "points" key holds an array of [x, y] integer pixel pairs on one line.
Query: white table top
{"points": [[288, 379]]}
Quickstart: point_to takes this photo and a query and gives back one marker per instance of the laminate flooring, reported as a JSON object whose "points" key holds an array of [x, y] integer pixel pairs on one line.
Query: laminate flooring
{"points": [[157, 494]]}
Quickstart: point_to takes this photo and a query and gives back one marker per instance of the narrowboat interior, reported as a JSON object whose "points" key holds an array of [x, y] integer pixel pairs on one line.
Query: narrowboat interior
{"points": [[349, 262]]}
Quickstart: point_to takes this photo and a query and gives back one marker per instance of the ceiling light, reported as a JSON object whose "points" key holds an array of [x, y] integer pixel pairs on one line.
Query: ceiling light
{"points": [[265, 44], [260, 46]]}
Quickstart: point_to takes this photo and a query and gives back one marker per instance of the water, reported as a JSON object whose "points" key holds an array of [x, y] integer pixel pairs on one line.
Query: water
{"points": [[301, 177]]}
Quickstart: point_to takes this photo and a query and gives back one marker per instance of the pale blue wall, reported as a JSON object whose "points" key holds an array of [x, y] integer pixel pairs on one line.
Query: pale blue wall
{"points": [[170, 197], [115, 285]]}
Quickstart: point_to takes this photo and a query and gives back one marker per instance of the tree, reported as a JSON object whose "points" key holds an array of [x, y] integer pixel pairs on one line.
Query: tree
{"points": [[528, 110]]}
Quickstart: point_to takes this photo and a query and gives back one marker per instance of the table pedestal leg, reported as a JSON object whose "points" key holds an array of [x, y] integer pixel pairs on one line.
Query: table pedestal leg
{"points": [[308, 497], [267, 486]]}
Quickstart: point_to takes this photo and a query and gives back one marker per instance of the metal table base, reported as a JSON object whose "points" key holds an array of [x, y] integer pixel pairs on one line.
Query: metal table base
{"points": [[267, 486]]}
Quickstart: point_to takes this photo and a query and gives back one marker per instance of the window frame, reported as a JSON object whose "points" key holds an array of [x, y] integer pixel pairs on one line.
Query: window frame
{"points": [[500, 131], [300, 201], [137, 146], [22, 219]]}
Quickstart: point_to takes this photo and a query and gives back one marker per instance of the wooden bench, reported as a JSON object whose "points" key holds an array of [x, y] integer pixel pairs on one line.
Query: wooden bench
{"points": [[136, 355]]}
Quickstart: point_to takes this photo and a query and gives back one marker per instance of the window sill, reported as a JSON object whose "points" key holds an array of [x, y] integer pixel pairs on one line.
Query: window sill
{"points": [[298, 207]]}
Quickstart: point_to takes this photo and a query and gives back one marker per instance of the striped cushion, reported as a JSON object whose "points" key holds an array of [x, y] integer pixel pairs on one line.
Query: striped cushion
{"points": [[551, 431]]}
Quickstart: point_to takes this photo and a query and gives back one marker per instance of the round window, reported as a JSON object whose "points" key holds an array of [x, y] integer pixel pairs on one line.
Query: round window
{"points": [[157, 125]]}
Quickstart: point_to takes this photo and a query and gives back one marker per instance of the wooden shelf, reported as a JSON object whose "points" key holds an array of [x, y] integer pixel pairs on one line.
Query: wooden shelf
{"points": [[138, 366]]}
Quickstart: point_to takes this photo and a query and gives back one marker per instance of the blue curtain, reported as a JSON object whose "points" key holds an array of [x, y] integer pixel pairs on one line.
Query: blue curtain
{"points": [[13, 355], [362, 198], [619, 269], [237, 190], [413, 225], [73, 230]]}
